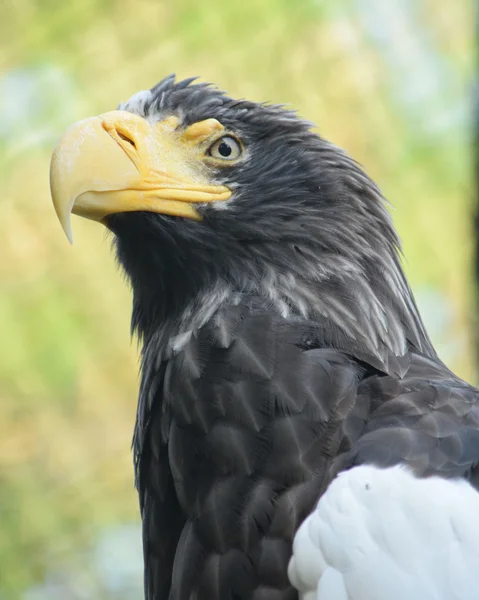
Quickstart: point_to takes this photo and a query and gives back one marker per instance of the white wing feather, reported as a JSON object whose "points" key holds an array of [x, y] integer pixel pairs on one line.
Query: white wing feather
{"points": [[383, 533]]}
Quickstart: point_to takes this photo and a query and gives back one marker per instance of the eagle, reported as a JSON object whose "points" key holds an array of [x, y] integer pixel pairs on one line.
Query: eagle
{"points": [[296, 435]]}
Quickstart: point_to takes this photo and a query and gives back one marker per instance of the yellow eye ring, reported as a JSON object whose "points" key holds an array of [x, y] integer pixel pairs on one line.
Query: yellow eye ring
{"points": [[226, 149]]}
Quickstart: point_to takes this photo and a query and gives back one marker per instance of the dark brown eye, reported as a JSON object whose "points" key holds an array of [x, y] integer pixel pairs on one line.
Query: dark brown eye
{"points": [[226, 148]]}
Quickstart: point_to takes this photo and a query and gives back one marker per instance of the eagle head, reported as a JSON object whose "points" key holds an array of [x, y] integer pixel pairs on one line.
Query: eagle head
{"points": [[210, 199]]}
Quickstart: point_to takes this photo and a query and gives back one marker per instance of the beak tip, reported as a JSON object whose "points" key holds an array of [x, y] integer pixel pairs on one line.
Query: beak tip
{"points": [[63, 212], [66, 226], [68, 232]]}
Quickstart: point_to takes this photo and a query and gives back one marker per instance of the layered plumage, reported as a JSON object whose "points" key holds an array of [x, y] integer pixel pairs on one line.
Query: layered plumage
{"points": [[282, 347]]}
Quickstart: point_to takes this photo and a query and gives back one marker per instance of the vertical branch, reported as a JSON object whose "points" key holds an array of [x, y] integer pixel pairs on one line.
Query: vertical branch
{"points": [[475, 149]]}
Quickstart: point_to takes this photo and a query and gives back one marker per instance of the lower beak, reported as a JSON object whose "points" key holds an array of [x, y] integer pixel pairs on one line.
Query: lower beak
{"points": [[120, 162]]}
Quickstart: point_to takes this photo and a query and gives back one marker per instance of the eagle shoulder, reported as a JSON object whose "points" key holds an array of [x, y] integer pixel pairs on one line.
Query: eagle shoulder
{"points": [[379, 533]]}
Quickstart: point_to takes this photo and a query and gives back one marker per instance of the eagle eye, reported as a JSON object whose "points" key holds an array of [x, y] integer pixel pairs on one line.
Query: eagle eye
{"points": [[226, 148]]}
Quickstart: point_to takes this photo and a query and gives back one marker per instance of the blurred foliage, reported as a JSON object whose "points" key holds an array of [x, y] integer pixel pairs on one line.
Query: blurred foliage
{"points": [[385, 80]]}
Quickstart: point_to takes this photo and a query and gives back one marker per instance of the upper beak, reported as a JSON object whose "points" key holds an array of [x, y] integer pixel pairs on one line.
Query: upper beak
{"points": [[119, 162]]}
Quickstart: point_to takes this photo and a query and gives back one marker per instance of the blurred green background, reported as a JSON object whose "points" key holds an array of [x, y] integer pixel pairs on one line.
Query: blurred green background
{"points": [[387, 80]]}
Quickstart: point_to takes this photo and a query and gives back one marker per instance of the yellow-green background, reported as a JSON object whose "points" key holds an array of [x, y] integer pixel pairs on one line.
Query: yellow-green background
{"points": [[387, 80]]}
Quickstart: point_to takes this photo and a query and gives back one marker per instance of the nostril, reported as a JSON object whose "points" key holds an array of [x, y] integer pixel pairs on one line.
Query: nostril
{"points": [[118, 132], [126, 138]]}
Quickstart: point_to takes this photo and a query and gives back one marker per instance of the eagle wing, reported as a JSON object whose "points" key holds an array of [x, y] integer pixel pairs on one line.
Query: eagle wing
{"points": [[403, 520], [162, 517], [258, 416]]}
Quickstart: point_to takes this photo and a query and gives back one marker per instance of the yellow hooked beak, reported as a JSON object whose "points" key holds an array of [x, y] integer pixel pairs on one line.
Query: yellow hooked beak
{"points": [[120, 162]]}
